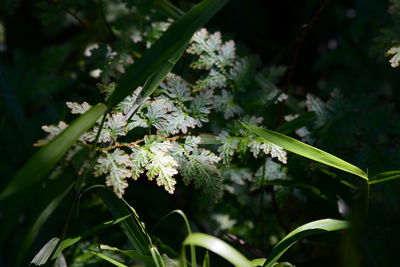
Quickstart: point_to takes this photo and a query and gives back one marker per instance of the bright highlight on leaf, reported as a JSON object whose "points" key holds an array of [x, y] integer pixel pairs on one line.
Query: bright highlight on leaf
{"points": [[305, 150]]}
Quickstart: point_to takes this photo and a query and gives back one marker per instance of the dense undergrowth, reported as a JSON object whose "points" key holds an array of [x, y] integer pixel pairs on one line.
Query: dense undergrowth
{"points": [[171, 142]]}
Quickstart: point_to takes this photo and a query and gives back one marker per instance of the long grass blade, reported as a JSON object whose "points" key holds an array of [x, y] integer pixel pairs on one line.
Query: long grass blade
{"points": [[132, 227], [215, 245], [72, 240], [172, 43], [206, 260], [53, 197], [189, 230], [45, 158], [384, 177], [109, 259], [133, 254], [305, 150], [312, 228]]}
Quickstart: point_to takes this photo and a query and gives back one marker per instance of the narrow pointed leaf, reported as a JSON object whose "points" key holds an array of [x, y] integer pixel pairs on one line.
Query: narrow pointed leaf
{"points": [[171, 43], [312, 228], [206, 260], [305, 150], [45, 158], [384, 177], [72, 240], [189, 230], [51, 199], [45, 252], [109, 259], [133, 254], [215, 245], [132, 227]]}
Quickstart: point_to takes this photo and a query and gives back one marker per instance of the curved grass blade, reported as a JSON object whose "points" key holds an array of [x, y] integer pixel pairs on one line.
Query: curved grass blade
{"points": [[132, 227], [45, 158], [55, 251], [52, 197], [384, 177], [215, 245], [109, 259], [133, 254], [189, 230], [305, 150], [166, 49], [312, 228], [72, 240]]}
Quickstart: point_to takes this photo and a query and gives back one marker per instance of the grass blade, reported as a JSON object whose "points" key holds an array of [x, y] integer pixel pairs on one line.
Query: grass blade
{"points": [[157, 259], [109, 259], [206, 260], [305, 150], [384, 177], [72, 240], [132, 227], [133, 254], [171, 44], [215, 245], [258, 262], [45, 252], [45, 158], [189, 230], [52, 197], [308, 229]]}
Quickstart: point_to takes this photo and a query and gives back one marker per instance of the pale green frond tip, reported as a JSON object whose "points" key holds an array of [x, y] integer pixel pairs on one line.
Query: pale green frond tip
{"points": [[305, 150]]}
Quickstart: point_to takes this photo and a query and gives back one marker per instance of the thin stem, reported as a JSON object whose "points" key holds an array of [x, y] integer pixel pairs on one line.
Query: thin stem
{"points": [[84, 23], [277, 209], [305, 28], [103, 17]]}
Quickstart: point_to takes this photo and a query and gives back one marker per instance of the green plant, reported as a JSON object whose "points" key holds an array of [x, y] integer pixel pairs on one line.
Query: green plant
{"points": [[183, 105]]}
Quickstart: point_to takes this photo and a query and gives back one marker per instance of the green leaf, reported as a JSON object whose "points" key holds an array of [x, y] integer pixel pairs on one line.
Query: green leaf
{"points": [[157, 259], [258, 262], [45, 252], [109, 259], [132, 227], [206, 260], [305, 150], [189, 230], [215, 245], [315, 227], [52, 197], [165, 50], [45, 158], [133, 254], [72, 240], [384, 177]]}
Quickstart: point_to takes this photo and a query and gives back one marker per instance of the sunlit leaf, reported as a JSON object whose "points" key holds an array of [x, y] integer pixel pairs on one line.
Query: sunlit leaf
{"points": [[215, 245], [305, 150]]}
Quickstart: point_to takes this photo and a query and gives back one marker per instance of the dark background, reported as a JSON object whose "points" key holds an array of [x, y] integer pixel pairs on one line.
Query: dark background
{"points": [[344, 48]]}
